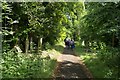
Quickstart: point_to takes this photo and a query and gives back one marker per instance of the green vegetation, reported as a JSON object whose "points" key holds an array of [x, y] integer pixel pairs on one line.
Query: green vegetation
{"points": [[30, 29], [101, 63], [19, 65]]}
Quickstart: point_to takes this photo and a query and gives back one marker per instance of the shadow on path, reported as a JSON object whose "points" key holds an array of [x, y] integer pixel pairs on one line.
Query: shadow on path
{"points": [[70, 66]]}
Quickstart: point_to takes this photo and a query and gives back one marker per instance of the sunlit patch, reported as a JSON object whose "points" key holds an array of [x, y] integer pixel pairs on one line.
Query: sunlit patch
{"points": [[69, 64], [74, 75], [68, 57], [59, 60], [52, 54]]}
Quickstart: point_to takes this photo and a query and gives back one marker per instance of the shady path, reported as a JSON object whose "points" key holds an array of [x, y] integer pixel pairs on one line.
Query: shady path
{"points": [[70, 66]]}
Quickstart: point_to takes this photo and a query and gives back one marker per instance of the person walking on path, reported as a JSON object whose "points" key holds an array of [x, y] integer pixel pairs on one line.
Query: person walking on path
{"points": [[67, 42], [72, 44]]}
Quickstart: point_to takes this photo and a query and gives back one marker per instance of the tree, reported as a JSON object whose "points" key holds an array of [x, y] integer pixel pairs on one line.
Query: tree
{"points": [[42, 23], [100, 24]]}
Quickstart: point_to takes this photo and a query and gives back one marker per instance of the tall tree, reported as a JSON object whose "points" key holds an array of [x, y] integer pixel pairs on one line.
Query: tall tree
{"points": [[101, 23]]}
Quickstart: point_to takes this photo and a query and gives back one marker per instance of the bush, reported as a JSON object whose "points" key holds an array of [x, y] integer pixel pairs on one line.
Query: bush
{"points": [[111, 58], [18, 65]]}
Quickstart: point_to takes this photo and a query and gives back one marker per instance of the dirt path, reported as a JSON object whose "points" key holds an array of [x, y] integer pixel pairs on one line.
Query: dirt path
{"points": [[70, 66]]}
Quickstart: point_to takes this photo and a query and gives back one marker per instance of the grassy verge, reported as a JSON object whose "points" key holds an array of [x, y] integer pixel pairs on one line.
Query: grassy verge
{"points": [[96, 64]]}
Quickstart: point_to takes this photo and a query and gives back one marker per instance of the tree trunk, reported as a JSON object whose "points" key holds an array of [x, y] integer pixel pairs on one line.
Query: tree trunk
{"points": [[31, 44], [41, 39], [39, 47], [26, 44]]}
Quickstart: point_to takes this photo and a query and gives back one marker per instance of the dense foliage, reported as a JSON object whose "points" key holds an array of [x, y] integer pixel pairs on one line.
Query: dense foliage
{"points": [[100, 32], [101, 23], [31, 27], [17, 65]]}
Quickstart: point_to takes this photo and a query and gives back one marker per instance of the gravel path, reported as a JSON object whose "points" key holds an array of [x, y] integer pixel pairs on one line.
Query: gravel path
{"points": [[70, 66]]}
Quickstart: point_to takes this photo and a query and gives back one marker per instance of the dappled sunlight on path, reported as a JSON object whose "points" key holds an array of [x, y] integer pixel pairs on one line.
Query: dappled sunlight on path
{"points": [[68, 57], [71, 66]]}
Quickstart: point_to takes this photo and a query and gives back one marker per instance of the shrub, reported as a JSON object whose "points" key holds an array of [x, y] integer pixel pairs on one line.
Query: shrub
{"points": [[19, 65]]}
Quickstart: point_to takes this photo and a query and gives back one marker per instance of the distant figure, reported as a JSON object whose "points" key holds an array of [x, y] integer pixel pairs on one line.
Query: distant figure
{"points": [[72, 44], [67, 42]]}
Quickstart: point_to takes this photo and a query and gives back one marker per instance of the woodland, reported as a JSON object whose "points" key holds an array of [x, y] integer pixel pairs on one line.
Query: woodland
{"points": [[32, 29]]}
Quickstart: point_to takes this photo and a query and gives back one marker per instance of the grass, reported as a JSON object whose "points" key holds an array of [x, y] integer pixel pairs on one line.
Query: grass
{"points": [[96, 66]]}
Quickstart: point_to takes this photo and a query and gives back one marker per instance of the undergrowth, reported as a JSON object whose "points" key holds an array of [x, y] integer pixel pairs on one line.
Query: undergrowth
{"points": [[21, 65], [103, 63]]}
